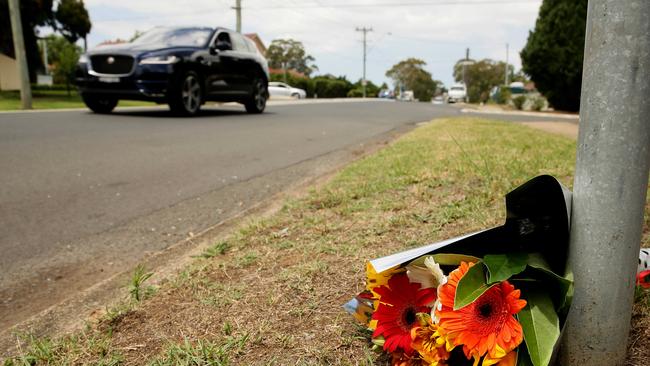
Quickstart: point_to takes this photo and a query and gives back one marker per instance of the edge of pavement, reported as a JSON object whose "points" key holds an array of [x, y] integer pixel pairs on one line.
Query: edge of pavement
{"points": [[271, 103]]}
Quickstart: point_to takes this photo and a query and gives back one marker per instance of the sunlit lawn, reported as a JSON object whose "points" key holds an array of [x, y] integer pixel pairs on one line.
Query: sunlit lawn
{"points": [[53, 99]]}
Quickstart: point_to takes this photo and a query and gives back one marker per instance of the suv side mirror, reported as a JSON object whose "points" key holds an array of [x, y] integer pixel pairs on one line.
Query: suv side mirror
{"points": [[223, 46]]}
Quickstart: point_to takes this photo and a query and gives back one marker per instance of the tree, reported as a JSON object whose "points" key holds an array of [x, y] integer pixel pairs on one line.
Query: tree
{"points": [[288, 54], [554, 52], [34, 14], [72, 20], [371, 89], [411, 75], [481, 77], [63, 56]]}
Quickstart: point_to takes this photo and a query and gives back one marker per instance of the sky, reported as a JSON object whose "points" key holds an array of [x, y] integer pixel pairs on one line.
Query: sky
{"points": [[436, 31]]}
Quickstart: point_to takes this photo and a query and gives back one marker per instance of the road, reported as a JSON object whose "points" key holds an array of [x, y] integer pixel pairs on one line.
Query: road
{"points": [[85, 196]]}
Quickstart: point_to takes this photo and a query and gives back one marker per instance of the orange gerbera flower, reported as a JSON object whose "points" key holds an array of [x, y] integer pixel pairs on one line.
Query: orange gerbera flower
{"points": [[485, 327]]}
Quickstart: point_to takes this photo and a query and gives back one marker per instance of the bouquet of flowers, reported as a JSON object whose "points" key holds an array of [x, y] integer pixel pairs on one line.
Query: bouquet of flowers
{"points": [[496, 297]]}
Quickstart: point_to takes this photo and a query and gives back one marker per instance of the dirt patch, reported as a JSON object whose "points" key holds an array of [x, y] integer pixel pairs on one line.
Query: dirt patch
{"points": [[567, 129]]}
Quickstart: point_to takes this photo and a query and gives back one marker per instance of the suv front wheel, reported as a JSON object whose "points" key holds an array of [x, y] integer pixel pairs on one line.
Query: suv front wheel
{"points": [[99, 104], [186, 95], [257, 101]]}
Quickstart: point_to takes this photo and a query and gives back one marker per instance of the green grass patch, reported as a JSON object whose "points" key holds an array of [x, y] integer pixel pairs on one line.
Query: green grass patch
{"points": [[54, 99]]}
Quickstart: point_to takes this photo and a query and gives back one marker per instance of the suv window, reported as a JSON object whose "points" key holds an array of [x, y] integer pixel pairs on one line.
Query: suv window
{"points": [[223, 38], [238, 42], [252, 47]]}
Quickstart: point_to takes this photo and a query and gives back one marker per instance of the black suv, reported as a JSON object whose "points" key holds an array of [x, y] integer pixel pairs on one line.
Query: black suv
{"points": [[183, 67]]}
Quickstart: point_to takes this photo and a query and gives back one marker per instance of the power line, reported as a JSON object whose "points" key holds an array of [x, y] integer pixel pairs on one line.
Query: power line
{"points": [[395, 4], [365, 32]]}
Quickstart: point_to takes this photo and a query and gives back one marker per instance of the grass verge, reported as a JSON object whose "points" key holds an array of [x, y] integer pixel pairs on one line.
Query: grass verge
{"points": [[54, 99], [271, 293]]}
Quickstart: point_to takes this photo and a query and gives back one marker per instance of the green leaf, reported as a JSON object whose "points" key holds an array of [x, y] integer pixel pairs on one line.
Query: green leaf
{"points": [[471, 286], [503, 266], [378, 341], [541, 326], [562, 287]]}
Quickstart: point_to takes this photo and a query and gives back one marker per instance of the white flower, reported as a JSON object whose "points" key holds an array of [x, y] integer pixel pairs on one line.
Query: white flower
{"points": [[429, 276]]}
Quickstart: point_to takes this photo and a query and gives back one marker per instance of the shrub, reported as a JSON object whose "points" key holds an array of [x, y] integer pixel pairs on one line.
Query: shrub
{"points": [[504, 94], [519, 102], [538, 104]]}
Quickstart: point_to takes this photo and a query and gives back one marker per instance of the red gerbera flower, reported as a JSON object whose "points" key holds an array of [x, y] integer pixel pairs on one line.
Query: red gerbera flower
{"points": [[643, 279], [399, 302], [486, 326]]}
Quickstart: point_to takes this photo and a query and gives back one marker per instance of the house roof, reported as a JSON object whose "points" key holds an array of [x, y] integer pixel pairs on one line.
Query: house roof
{"points": [[258, 42]]}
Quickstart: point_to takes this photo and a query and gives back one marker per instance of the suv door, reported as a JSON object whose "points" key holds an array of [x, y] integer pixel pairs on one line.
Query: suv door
{"points": [[225, 68], [246, 63]]}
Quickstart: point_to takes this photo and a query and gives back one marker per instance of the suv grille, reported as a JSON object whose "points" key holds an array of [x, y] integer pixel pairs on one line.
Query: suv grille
{"points": [[112, 64]]}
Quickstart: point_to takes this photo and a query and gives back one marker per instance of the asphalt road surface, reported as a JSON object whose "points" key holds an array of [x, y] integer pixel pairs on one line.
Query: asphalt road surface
{"points": [[84, 196]]}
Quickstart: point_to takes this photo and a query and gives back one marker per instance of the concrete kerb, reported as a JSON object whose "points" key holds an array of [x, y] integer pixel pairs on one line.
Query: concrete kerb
{"points": [[271, 103]]}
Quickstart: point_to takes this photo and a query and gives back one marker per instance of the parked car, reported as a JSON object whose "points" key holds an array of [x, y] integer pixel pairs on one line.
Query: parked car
{"points": [[438, 100], [457, 93], [278, 89], [182, 67]]}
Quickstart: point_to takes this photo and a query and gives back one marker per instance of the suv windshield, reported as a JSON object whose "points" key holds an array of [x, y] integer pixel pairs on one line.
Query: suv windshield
{"points": [[172, 37]]}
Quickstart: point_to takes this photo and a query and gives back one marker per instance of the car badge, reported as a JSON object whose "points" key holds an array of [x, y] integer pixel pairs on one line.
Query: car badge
{"points": [[110, 60]]}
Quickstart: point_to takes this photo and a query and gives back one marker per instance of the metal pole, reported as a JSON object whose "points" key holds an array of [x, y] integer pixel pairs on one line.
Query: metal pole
{"points": [[237, 8], [507, 56], [45, 60], [363, 82], [611, 181], [21, 58]]}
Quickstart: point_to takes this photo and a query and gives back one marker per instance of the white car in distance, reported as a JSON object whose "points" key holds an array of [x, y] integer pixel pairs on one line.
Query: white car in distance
{"points": [[457, 93], [282, 90]]}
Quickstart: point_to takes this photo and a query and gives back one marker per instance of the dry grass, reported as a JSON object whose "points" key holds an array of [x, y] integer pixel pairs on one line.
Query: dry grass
{"points": [[272, 293]]}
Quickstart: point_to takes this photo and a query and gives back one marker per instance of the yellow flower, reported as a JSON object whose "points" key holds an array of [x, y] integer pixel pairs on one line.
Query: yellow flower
{"points": [[379, 279], [430, 341]]}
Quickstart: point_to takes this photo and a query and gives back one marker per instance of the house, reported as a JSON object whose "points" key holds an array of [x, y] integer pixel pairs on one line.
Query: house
{"points": [[9, 79], [258, 42]]}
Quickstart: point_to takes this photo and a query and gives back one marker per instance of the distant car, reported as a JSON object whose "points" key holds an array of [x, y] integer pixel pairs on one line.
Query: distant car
{"points": [[438, 100], [457, 93], [386, 94], [183, 67], [278, 89], [407, 96]]}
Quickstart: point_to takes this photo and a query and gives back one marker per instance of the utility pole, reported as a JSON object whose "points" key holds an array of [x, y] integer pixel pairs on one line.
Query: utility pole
{"points": [[365, 32], [21, 58], [610, 184], [507, 56], [465, 66], [237, 8]]}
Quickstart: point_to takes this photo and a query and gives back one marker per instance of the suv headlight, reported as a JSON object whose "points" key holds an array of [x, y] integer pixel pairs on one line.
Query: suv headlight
{"points": [[159, 60], [83, 59]]}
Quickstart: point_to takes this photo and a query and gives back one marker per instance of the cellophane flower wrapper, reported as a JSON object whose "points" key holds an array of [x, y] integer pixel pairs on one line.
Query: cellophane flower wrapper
{"points": [[494, 297]]}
